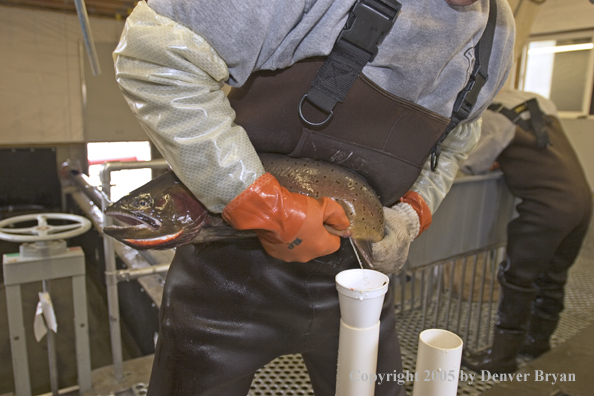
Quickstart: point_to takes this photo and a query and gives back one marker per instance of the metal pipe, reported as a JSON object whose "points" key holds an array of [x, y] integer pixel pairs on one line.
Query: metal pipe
{"points": [[430, 282], [412, 290], [413, 279], [402, 291], [461, 296], [470, 299], [51, 350], [112, 296], [451, 292], [131, 274], [493, 259], [424, 289], [439, 281], [480, 302], [517, 10], [111, 273], [112, 166], [71, 174], [83, 18], [74, 389]]}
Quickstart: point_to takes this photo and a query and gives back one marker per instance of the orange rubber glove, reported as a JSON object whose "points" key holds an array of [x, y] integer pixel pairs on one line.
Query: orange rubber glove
{"points": [[290, 226], [420, 206]]}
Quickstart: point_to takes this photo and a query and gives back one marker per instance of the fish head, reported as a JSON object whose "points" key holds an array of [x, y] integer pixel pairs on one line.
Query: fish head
{"points": [[161, 214]]}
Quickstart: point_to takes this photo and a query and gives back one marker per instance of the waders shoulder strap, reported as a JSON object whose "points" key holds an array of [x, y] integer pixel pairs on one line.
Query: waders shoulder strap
{"points": [[467, 98], [537, 122], [368, 23]]}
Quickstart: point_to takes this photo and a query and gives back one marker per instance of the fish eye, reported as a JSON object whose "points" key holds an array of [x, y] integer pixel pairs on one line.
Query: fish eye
{"points": [[143, 202]]}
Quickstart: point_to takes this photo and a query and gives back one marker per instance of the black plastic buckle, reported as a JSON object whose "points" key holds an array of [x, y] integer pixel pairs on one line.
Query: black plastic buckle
{"points": [[368, 25], [468, 96]]}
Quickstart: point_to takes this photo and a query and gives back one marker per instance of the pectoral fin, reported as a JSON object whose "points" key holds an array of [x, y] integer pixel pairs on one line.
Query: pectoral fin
{"points": [[221, 233]]}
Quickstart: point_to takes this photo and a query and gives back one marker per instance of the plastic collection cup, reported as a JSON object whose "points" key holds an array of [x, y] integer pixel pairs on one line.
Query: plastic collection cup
{"points": [[438, 363], [361, 296]]}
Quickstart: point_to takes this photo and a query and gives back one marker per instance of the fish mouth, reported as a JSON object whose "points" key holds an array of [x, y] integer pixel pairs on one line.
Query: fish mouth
{"points": [[145, 239], [146, 227], [148, 243], [141, 231], [134, 220]]}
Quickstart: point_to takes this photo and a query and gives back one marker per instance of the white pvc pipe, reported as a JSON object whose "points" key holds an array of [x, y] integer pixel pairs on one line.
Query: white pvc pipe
{"points": [[438, 363], [361, 297]]}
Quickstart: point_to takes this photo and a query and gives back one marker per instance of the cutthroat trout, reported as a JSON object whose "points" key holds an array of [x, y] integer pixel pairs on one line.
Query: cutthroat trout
{"points": [[163, 213]]}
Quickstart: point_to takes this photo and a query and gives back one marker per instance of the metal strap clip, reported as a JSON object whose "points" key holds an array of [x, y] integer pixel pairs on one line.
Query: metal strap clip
{"points": [[369, 21]]}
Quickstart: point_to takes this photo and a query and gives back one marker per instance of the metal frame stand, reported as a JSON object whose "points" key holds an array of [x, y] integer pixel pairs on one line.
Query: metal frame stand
{"points": [[44, 261], [111, 272]]}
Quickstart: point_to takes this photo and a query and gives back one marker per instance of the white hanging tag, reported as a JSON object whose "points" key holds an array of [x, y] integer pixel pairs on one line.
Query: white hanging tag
{"points": [[45, 317], [38, 324]]}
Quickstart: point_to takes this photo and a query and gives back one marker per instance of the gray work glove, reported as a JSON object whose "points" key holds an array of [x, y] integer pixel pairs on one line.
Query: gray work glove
{"points": [[402, 227]]}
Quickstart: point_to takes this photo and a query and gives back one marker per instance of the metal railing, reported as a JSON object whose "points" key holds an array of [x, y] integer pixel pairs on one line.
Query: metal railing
{"points": [[112, 276], [459, 294], [101, 199]]}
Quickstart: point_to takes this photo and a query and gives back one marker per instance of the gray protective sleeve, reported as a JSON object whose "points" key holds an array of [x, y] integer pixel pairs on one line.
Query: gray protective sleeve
{"points": [[434, 185], [496, 133], [172, 80]]}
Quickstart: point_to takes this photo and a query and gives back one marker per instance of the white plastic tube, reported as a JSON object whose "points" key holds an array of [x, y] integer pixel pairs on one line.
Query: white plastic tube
{"points": [[361, 297], [438, 363]]}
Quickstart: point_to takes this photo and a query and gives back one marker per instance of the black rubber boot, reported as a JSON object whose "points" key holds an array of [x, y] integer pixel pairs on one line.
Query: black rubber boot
{"points": [[547, 306], [510, 330], [539, 334], [501, 357]]}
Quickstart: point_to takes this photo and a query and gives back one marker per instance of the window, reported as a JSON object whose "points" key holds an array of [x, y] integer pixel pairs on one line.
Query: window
{"points": [[561, 68], [122, 181]]}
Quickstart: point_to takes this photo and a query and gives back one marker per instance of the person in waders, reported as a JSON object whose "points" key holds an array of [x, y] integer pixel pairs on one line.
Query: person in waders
{"points": [[523, 135], [392, 90]]}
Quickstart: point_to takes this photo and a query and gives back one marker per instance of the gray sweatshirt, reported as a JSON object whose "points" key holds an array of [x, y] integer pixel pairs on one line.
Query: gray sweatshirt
{"points": [[174, 55], [426, 58]]}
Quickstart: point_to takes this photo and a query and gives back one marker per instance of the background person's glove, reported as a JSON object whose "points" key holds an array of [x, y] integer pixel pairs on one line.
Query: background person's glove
{"points": [[290, 226], [403, 223]]}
